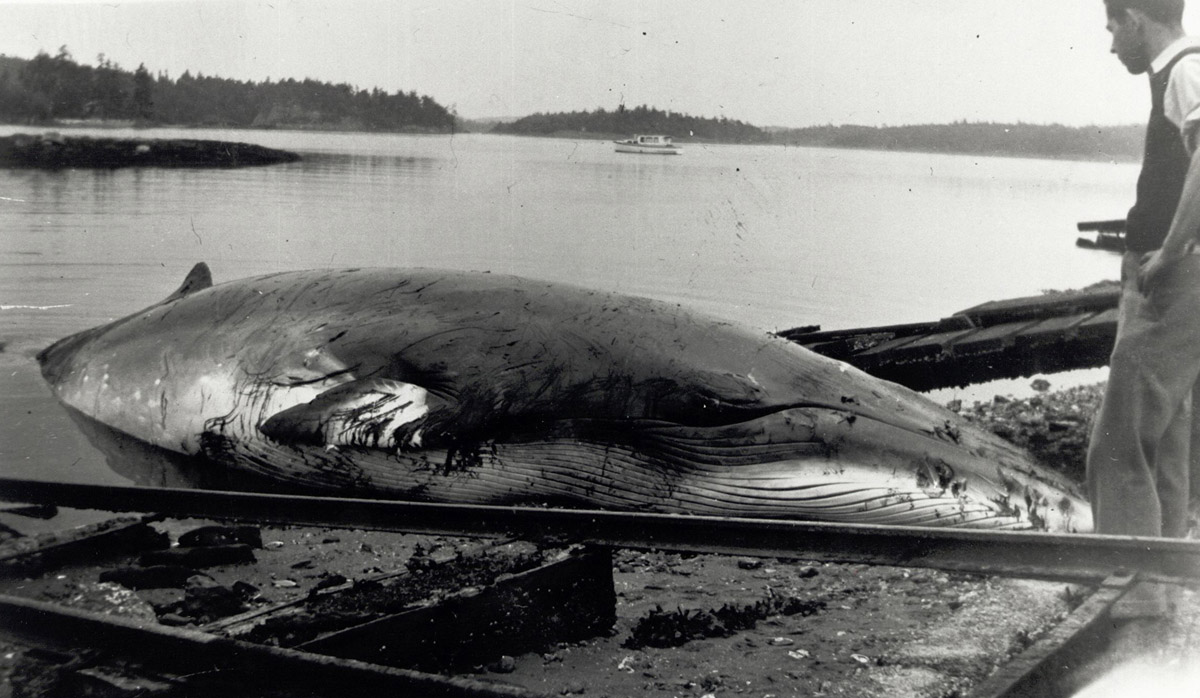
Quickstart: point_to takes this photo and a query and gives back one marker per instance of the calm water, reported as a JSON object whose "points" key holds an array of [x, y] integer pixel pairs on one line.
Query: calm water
{"points": [[774, 237]]}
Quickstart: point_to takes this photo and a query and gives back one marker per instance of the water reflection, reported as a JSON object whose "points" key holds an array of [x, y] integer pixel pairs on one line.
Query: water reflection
{"points": [[366, 165]]}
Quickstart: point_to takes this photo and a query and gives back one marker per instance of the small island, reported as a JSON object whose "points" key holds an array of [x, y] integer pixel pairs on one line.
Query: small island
{"points": [[53, 151]]}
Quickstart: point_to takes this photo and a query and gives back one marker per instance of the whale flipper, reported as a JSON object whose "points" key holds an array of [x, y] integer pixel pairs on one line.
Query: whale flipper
{"points": [[198, 279], [371, 413]]}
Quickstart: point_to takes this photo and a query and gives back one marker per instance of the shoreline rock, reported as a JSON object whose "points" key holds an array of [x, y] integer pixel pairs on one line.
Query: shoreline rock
{"points": [[1053, 425], [51, 151]]}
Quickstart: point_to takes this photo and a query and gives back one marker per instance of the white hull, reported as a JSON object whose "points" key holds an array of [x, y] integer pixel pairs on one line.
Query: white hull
{"points": [[648, 149]]}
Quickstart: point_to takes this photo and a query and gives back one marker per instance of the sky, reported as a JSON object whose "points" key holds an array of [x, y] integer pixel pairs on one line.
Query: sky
{"points": [[767, 62]]}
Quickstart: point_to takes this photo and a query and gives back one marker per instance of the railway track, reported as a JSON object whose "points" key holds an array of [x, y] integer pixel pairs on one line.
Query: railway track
{"points": [[1108, 564]]}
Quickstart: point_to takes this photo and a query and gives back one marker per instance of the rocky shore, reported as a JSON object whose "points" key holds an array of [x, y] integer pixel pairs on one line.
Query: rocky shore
{"points": [[53, 151], [1053, 425]]}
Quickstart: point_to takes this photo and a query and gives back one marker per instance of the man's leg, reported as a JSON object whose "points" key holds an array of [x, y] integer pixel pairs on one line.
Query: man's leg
{"points": [[1194, 456], [1138, 459], [1121, 483], [1172, 480]]}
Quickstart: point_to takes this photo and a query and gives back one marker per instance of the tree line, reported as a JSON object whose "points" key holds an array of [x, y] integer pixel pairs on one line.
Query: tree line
{"points": [[49, 88]]}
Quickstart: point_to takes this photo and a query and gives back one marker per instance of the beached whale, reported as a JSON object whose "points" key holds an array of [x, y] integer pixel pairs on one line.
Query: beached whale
{"points": [[483, 388]]}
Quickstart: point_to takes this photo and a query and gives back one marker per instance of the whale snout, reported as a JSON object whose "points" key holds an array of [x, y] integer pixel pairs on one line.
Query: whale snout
{"points": [[57, 361]]}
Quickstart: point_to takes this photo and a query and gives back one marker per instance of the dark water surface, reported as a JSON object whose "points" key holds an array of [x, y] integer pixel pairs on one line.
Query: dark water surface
{"points": [[769, 236]]}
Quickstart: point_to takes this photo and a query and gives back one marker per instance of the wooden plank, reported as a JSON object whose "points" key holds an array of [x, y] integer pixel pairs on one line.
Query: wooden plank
{"points": [[992, 338], [840, 349], [928, 347], [1055, 329], [1102, 323], [911, 329], [887, 347], [1049, 305]]}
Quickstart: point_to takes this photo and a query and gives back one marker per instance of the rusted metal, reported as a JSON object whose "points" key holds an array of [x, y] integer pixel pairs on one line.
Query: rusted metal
{"points": [[185, 651], [1065, 557]]}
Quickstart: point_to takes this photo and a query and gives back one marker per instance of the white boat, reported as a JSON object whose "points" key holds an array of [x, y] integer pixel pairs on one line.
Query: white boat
{"points": [[657, 145]]}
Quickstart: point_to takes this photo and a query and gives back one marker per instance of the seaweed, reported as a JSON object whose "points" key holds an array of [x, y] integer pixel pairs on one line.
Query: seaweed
{"points": [[664, 629]]}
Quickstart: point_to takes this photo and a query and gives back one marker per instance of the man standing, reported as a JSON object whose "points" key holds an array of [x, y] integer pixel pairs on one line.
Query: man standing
{"points": [[1138, 458]]}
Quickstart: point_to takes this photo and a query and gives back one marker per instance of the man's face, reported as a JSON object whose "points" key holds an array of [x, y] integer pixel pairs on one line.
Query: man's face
{"points": [[1128, 41]]}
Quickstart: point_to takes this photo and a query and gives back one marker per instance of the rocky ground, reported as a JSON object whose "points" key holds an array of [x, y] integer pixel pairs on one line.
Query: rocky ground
{"points": [[686, 625], [54, 151], [1053, 425]]}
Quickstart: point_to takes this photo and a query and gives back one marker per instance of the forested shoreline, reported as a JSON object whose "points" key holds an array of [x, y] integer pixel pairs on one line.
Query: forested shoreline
{"points": [[641, 119], [1113, 143], [52, 90]]}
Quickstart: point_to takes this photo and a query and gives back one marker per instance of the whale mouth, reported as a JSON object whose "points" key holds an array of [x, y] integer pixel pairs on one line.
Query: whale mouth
{"points": [[824, 464]]}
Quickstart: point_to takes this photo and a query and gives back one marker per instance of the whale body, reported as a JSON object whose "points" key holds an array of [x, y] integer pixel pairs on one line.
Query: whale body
{"points": [[482, 388]]}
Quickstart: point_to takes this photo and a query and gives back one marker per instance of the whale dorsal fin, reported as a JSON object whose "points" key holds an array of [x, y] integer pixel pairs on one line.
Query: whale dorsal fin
{"points": [[198, 279]]}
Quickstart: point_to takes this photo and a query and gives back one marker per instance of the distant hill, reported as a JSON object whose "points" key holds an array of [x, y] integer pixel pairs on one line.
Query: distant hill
{"points": [[643, 119], [1116, 143], [47, 89]]}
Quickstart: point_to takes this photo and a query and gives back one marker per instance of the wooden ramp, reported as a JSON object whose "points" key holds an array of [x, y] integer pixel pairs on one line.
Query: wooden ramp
{"points": [[1001, 339]]}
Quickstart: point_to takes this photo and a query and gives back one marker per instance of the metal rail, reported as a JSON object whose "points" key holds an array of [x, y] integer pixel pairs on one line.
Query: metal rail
{"points": [[1065, 557], [182, 650]]}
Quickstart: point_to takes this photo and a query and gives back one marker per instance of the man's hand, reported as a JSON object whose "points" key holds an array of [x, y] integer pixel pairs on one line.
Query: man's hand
{"points": [[1151, 271]]}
